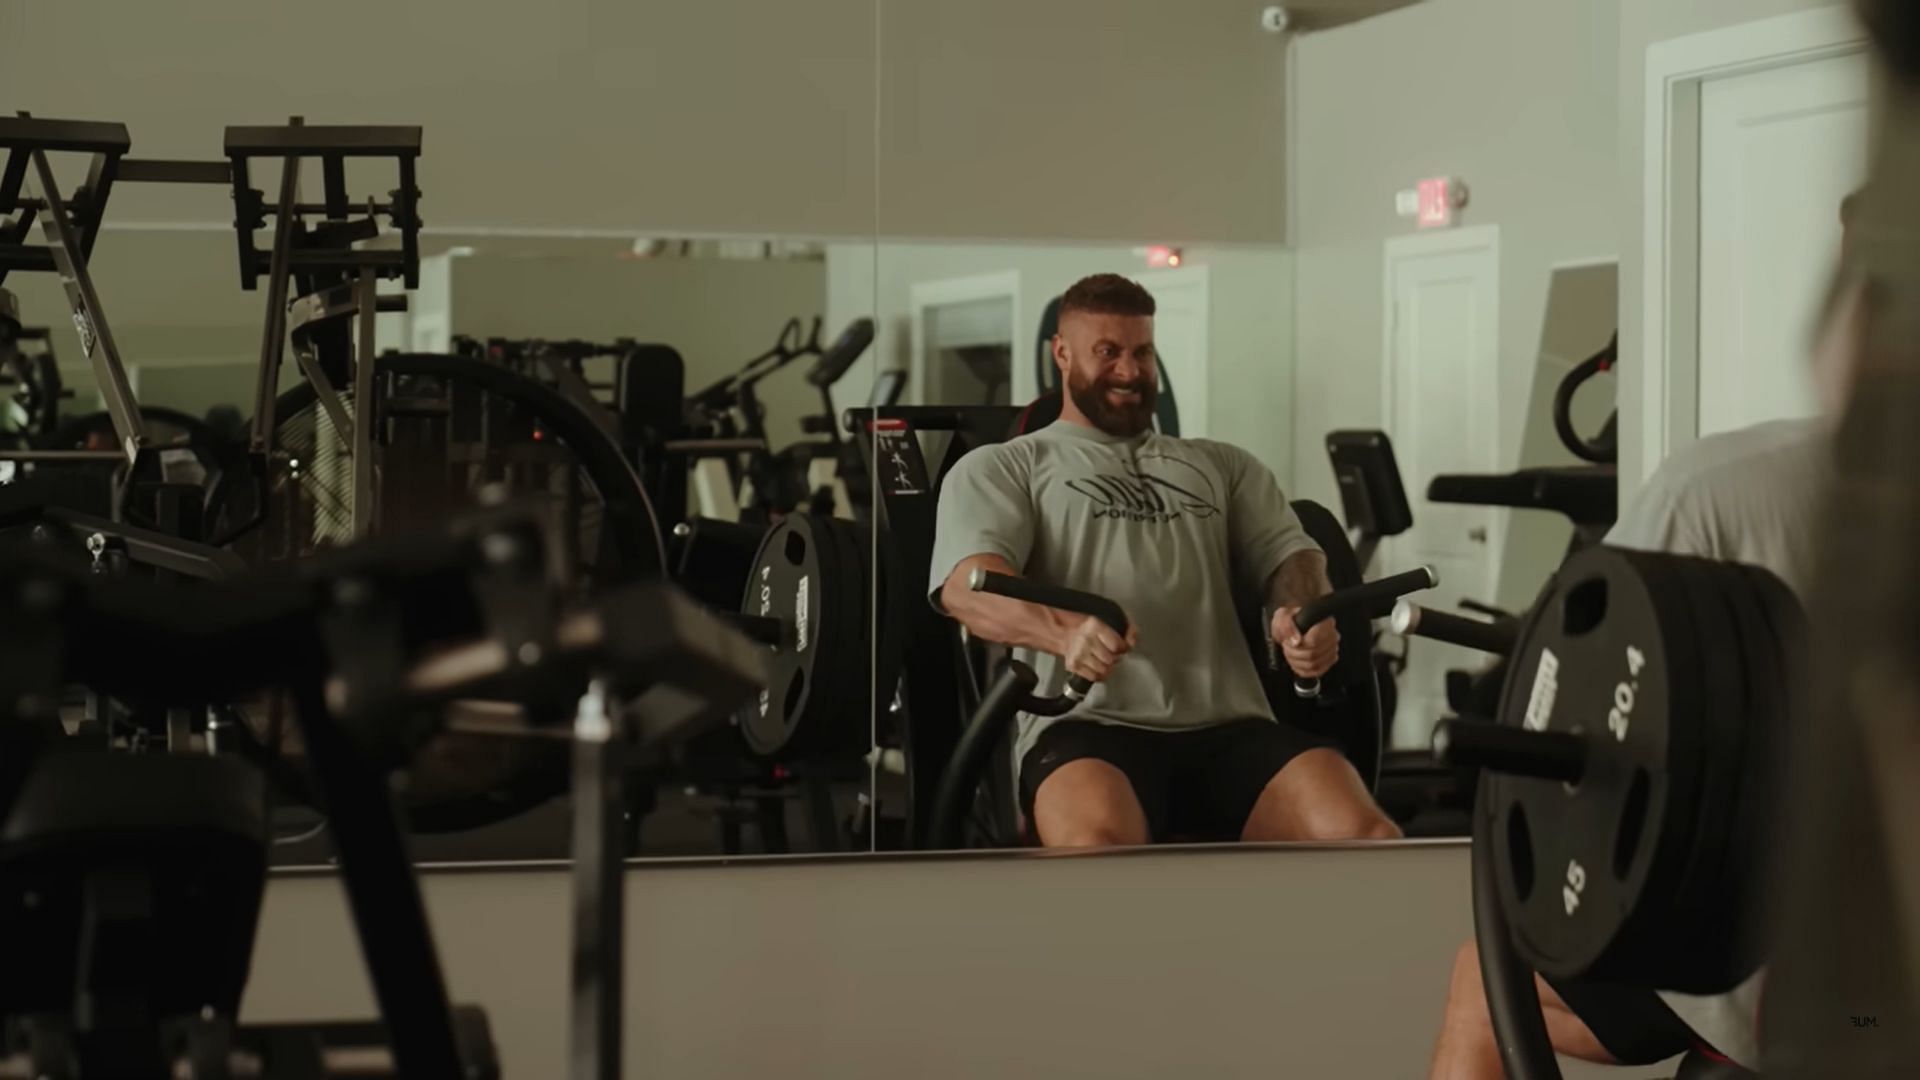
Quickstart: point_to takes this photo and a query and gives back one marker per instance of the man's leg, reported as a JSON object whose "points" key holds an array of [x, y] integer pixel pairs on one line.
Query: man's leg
{"points": [[1467, 1049], [1317, 795], [1089, 803], [1086, 784]]}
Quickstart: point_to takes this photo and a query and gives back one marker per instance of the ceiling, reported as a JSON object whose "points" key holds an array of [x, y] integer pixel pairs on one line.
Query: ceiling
{"points": [[1311, 15]]}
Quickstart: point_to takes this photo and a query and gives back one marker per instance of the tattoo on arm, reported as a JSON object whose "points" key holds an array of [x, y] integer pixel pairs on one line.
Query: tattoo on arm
{"points": [[1302, 578]]}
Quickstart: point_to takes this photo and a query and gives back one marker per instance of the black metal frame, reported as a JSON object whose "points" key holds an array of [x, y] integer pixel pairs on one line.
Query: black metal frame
{"points": [[70, 228], [919, 644], [360, 638], [336, 280]]}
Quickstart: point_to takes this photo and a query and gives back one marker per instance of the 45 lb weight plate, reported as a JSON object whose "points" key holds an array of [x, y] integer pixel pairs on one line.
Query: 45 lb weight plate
{"points": [[809, 575]]}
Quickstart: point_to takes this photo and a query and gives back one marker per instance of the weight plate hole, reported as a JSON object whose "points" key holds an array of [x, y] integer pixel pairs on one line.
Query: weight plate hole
{"points": [[1585, 607], [1520, 851], [796, 548], [795, 687], [1633, 821]]}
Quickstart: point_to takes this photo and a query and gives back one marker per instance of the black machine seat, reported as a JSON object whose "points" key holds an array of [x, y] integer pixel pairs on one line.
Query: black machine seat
{"points": [[1040, 412], [149, 869], [1585, 495]]}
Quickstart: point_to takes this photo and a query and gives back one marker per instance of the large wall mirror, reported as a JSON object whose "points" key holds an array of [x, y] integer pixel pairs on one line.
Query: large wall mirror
{"points": [[624, 319], [1024, 148], [792, 263]]}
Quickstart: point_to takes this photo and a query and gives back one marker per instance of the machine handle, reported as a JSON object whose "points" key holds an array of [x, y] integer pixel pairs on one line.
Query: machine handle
{"points": [[1060, 598], [1372, 599], [1488, 637]]}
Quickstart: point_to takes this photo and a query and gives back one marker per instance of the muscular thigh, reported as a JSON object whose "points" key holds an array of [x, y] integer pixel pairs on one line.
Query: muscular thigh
{"points": [[1085, 772], [1220, 772]]}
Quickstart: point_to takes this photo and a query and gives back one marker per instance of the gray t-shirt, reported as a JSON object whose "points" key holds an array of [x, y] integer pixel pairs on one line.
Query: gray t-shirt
{"points": [[1749, 496], [1166, 527]]}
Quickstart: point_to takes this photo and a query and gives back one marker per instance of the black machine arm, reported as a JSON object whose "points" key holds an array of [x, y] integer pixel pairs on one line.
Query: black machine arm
{"points": [[1584, 495], [1011, 691], [830, 369], [1011, 694], [790, 346], [838, 357], [1495, 637], [1054, 596], [1602, 449], [360, 638], [1525, 1048], [1373, 599]]}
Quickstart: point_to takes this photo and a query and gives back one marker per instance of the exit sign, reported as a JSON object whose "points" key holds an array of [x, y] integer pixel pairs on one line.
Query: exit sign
{"points": [[1441, 200]]}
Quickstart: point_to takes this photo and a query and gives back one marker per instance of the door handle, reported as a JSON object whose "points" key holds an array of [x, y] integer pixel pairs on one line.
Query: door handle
{"points": [[1477, 534]]}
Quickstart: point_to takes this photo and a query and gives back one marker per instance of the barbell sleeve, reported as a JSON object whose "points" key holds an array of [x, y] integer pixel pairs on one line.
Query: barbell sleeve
{"points": [[1544, 755], [1488, 637]]}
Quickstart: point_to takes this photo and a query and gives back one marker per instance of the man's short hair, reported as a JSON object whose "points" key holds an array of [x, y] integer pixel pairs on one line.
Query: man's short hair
{"points": [[1107, 294]]}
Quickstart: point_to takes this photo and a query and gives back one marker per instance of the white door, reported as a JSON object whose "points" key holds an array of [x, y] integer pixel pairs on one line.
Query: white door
{"points": [[1443, 354], [1180, 327], [967, 333], [1779, 150]]}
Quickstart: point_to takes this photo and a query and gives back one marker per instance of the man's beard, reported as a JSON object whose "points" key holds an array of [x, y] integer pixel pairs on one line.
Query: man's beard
{"points": [[1125, 420]]}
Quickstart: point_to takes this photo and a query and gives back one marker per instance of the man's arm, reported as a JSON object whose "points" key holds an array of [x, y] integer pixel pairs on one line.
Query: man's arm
{"points": [[1299, 580], [1002, 618], [1088, 646]]}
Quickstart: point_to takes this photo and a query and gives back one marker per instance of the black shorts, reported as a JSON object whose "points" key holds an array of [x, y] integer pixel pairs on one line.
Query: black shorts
{"points": [[1632, 1022], [1199, 784]]}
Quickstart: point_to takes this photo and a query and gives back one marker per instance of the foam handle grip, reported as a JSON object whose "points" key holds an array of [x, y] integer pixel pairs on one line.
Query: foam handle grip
{"points": [[1054, 596], [1302, 688], [1373, 599]]}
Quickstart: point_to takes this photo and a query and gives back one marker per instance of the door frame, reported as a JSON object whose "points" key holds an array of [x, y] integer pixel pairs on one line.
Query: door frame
{"points": [[1000, 285], [1486, 380], [1670, 292]]}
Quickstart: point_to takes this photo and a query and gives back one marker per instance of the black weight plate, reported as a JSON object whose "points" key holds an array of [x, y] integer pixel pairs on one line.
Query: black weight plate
{"points": [[1780, 618], [1734, 900], [1689, 939], [785, 585], [852, 721], [1641, 947], [850, 725], [1723, 705], [1561, 841]]}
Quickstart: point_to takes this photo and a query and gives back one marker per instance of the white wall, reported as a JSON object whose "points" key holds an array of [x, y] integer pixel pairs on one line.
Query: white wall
{"points": [[1582, 310], [1250, 345], [1075, 118], [1230, 962], [719, 313], [1518, 99], [172, 299], [573, 113], [1081, 119]]}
